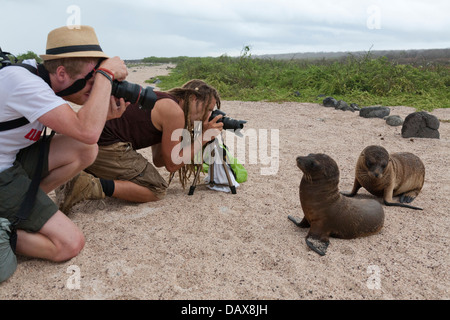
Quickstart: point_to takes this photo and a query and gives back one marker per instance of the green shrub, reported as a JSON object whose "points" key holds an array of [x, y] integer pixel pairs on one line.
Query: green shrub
{"points": [[364, 80]]}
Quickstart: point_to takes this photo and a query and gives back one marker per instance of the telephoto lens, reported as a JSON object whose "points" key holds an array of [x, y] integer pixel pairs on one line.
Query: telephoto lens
{"points": [[134, 93]]}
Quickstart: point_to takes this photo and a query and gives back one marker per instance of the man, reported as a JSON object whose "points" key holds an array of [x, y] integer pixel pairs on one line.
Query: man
{"points": [[76, 70], [120, 171]]}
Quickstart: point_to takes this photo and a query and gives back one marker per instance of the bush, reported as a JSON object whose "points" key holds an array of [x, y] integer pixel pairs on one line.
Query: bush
{"points": [[365, 80], [29, 55]]}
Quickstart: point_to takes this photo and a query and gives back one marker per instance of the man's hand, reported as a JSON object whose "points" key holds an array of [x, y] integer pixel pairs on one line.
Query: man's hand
{"points": [[117, 67]]}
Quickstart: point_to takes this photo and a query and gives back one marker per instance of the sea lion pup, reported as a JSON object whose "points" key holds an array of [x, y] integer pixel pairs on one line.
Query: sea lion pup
{"points": [[329, 213], [388, 175]]}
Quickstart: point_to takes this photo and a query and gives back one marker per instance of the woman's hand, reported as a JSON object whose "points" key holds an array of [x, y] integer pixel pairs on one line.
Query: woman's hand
{"points": [[211, 129], [116, 108]]}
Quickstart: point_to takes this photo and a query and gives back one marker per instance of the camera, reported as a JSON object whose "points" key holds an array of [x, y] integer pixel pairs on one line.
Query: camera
{"points": [[134, 93], [5, 59], [228, 123]]}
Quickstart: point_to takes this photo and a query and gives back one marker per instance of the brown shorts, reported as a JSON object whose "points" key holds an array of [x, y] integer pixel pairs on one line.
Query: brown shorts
{"points": [[119, 161]]}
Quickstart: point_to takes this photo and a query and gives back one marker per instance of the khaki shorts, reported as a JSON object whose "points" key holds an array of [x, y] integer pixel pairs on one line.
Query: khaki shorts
{"points": [[119, 161], [14, 183]]}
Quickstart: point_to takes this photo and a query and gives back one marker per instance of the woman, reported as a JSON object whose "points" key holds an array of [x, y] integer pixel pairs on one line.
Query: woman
{"points": [[120, 171]]}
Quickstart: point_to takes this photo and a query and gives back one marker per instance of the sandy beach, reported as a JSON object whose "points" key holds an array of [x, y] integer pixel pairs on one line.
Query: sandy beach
{"points": [[222, 246]]}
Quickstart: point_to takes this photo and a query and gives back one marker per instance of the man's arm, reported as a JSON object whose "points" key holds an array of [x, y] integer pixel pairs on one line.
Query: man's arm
{"points": [[87, 124]]}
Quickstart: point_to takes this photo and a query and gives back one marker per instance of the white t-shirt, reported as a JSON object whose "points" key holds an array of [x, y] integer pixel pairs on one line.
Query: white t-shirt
{"points": [[22, 94]]}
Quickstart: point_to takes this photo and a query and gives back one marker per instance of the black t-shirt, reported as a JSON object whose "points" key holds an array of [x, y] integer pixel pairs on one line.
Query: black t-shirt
{"points": [[135, 126]]}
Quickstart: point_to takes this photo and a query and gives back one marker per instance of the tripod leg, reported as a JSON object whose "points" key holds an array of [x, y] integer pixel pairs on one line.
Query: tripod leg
{"points": [[230, 183], [211, 174], [194, 183]]}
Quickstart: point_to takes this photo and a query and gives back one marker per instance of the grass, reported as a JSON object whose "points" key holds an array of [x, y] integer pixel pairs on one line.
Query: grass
{"points": [[364, 80]]}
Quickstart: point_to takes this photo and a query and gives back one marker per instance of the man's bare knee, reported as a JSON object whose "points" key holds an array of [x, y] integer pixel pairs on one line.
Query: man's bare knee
{"points": [[70, 248], [88, 154]]}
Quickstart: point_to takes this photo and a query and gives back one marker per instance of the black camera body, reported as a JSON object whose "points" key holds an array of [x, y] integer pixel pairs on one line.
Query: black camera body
{"points": [[134, 93], [5, 59], [228, 123]]}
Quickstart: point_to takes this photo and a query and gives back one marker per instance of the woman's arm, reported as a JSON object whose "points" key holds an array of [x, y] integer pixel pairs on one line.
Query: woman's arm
{"points": [[172, 152]]}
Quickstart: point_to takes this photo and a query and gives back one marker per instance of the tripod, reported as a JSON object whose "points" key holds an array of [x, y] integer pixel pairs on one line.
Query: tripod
{"points": [[211, 172]]}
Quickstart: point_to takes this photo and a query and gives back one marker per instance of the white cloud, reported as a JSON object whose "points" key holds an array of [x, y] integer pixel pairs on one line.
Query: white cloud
{"points": [[141, 28]]}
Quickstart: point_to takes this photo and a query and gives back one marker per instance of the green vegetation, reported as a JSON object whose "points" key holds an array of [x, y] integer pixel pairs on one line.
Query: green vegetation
{"points": [[29, 55], [364, 80], [24, 56]]}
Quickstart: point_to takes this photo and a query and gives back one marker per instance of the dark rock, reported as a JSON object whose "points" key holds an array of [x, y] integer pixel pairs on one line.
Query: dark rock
{"points": [[421, 125], [354, 106], [342, 105], [394, 121], [297, 93], [330, 102], [374, 112]]}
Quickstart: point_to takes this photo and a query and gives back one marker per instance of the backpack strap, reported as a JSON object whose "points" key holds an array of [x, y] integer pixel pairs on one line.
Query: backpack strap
{"points": [[30, 196], [12, 124], [16, 123]]}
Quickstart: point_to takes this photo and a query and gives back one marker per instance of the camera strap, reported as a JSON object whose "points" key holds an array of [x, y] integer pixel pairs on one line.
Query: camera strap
{"points": [[78, 84]]}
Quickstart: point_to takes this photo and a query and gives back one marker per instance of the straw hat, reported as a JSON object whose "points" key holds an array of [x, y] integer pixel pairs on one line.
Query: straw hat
{"points": [[66, 42]]}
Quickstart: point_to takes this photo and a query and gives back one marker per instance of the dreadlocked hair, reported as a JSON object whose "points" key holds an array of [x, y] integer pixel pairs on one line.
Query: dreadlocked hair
{"points": [[204, 94]]}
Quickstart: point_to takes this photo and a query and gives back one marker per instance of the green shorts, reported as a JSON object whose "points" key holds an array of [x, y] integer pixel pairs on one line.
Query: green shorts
{"points": [[119, 161], [14, 183]]}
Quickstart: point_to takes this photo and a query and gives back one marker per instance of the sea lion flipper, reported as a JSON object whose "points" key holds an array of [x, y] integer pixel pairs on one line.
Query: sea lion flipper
{"points": [[395, 204], [356, 186], [317, 245], [409, 196], [404, 198], [317, 239], [302, 224]]}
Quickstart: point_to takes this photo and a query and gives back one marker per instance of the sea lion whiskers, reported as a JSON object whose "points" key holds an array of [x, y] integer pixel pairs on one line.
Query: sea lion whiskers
{"points": [[307, 177]]}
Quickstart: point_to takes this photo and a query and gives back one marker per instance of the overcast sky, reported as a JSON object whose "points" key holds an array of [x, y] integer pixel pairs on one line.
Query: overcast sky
{"points": [[134, 29]]}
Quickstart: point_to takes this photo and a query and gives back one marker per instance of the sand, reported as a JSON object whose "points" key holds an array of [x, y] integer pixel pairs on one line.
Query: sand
{"points": [[217, 245]]}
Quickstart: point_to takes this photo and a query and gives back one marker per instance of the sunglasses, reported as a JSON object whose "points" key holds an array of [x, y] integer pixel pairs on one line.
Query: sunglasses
{"points": [[78, 84]]}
